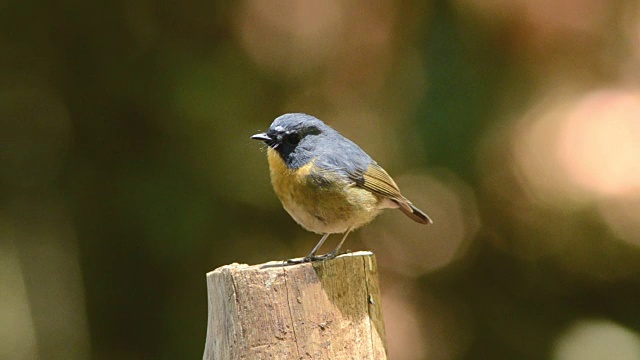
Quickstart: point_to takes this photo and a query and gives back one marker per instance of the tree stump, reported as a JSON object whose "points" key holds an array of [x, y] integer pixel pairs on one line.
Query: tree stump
{"points": [[321, 310]]}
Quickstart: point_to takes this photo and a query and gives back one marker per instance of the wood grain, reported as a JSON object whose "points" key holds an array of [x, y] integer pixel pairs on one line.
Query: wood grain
{"points": [[320, 310]]}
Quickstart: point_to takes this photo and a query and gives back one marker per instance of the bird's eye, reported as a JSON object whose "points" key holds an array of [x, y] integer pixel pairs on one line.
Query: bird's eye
{"points": [[292, 138]]}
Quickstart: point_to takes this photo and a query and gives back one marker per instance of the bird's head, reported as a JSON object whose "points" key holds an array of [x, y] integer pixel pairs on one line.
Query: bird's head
{"points": [[289, 132]]}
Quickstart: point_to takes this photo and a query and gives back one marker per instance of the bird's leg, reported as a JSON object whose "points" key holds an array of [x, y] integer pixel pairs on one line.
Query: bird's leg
{"points": [[317, 247], [334, 253], [312, 256]]}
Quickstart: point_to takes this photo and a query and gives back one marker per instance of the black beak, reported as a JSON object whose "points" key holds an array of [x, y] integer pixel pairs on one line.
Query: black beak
{"points": [[262, 137]]}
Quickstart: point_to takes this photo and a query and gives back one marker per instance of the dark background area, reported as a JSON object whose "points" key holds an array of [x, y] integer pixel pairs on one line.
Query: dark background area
{"points": [[127, 173]]}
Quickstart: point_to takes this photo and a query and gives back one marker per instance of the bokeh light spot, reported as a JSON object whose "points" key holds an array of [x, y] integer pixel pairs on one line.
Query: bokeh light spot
{"points": [[579, 148], [600, 142], [596, 340], [289, 35], [413, 249], [622, 214]]}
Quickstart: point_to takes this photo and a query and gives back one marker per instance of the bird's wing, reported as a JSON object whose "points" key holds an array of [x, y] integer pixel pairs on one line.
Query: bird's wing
{"points": [[357, 167], [352, 164], [376, 180]]}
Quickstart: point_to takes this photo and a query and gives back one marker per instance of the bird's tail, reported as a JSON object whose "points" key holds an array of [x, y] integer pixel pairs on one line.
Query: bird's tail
{"points": [[414, 213]]}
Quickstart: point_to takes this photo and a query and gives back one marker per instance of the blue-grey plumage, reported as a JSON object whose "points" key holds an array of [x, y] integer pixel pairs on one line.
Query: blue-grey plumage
{"points": [[327, 183]]}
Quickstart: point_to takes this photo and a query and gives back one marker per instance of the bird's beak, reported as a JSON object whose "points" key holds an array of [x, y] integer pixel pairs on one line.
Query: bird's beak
{"points": [[262, 137]]}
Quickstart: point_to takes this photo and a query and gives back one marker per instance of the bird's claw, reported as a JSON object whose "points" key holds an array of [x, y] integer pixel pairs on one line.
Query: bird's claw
{"points": [[303, 260], [311, 258]]}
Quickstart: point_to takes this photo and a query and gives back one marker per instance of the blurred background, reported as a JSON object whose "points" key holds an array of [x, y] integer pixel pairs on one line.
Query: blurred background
{"points": [[127, 173]]}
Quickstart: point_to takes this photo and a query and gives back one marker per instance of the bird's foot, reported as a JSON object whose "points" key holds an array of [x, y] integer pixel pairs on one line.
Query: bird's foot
{"points": [[311, 258], [303, 260], [327, 256], [296, 261]]}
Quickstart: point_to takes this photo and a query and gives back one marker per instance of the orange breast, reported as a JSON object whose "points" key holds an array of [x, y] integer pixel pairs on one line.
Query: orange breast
{"points": [[334, 207]]}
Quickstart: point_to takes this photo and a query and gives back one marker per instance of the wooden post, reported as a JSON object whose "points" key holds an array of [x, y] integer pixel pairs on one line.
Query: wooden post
{"points": [[320, 310]]}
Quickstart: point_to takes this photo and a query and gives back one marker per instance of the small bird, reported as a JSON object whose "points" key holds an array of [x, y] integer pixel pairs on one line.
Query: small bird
{"points": [[327, 183]]}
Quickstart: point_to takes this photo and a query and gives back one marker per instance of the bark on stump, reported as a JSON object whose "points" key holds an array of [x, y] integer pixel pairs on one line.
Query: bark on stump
{"points": [[320, 310]]}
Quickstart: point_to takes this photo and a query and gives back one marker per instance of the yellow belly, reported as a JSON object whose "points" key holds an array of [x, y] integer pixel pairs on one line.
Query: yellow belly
{"points": [[334, 207]]}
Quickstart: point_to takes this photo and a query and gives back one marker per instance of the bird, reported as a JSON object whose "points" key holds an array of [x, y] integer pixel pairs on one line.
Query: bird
{"points": [[326, 182]]}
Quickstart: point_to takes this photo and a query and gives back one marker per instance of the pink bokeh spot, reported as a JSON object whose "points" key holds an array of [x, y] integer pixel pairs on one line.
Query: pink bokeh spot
{"points": [[599, 144]]}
